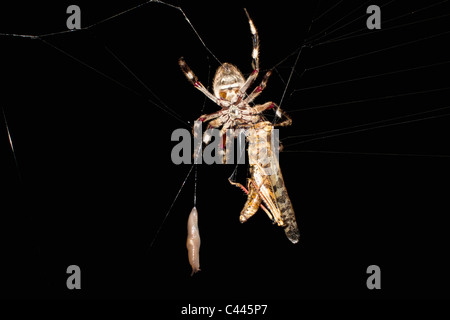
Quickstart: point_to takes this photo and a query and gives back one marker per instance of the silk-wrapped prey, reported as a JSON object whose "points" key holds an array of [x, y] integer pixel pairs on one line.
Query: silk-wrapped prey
{"points": [[193, 241]]}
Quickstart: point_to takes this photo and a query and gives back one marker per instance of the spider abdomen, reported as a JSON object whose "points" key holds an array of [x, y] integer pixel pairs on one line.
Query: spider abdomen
{"points": [[228, 80]]}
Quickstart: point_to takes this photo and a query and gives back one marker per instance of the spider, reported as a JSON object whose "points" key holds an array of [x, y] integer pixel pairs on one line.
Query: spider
{"points": [[230, 93]]}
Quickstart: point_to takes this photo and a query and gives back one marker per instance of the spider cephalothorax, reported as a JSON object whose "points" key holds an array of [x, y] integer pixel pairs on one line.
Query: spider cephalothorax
{"points": [[230, 93]]}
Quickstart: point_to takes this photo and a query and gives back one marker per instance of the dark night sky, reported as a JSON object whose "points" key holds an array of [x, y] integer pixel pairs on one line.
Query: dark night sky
{"points": [[97, 178]]}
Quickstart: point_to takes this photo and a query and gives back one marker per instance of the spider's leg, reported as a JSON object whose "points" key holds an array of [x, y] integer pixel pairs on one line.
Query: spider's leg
{"points": [[207, 117], [255, 57], [257, 91], [213, 124], [278, 113], [190, 75], [222, 135], [255, 42], [281, 114], [206, 135], [229, 149]]}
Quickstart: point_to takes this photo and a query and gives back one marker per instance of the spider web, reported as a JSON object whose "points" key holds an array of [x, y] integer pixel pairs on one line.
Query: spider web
{"points": [[88, 116]]}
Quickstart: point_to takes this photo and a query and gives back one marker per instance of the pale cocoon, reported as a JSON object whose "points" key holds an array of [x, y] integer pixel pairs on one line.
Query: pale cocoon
{"points": [[193, 241]]}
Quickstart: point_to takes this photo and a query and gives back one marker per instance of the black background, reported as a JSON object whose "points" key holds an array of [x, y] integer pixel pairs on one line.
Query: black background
{"points": [[96, 178]]}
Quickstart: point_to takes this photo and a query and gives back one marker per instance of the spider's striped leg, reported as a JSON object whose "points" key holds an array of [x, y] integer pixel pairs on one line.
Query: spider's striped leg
{"points": [[255, 42], [213, 124], [255, 56], [190, 75], [222, 134], [229, 148], [225, 140], [281, 114], [257, 91], [206, 135], [205, 118], [278, 113]]}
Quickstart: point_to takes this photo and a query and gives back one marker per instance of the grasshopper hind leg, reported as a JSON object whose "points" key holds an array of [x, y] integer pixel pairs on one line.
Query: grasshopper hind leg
{"points": [[253, 202], [251, 205]]}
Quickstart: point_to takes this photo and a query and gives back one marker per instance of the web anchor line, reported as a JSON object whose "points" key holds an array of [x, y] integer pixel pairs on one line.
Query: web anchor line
{"points": [[12, 145]]}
